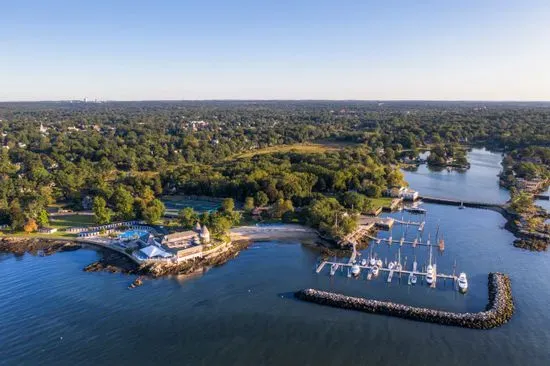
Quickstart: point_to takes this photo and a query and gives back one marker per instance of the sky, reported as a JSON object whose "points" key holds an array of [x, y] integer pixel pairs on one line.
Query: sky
{"points": [[300, 49]]}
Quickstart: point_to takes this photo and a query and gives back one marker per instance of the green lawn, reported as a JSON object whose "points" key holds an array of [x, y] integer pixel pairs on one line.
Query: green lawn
{"points": [[63, 222], [381, 202]]}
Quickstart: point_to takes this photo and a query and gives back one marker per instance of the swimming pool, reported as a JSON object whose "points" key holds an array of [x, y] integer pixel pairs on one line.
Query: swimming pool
{"points": [[133, 234]]}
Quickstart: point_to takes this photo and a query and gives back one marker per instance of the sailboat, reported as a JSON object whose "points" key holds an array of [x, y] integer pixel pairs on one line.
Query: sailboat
{"points": [[461, 207], [430, 269], [441, 244], [398, 267], [333, 269]]}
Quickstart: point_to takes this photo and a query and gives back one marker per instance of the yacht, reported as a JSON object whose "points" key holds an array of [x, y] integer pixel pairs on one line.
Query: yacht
{"points": [[355, 270], [375, 270], [462, 282], [430, 274]]}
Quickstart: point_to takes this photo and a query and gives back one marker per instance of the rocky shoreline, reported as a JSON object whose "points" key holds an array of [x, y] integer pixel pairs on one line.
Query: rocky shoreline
{"points": [[499, 310], [35, 246]]}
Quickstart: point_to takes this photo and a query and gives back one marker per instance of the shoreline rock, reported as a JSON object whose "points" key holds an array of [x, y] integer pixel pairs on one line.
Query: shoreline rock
{"points": [[499, 310]]}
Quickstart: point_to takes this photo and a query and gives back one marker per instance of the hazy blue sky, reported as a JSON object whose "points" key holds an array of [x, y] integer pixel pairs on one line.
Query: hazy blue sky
{"points": [[310, 49]]}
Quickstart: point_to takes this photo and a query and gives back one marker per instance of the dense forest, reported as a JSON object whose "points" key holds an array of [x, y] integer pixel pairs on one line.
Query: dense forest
{"points": [[120, 157]]}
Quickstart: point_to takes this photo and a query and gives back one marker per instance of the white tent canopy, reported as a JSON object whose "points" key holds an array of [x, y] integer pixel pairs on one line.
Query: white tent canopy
{"points": [[152, 251]]}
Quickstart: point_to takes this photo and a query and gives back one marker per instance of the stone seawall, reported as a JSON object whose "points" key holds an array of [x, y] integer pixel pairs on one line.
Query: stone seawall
{"points": [[499, 309]]}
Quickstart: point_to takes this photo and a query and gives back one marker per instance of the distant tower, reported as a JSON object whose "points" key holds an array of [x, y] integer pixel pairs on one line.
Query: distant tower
{"points": [[205, 234]]}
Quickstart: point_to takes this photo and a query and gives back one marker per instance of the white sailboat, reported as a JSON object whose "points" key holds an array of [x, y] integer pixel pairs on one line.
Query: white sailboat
{"points": [[430, 269]]}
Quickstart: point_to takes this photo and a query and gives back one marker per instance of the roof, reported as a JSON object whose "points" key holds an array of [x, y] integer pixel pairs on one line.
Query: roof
{"points": [[179, 236], [153, 251]]}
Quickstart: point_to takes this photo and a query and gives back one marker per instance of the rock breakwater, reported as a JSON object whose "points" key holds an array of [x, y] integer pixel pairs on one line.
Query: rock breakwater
{"points": [[499, 309]]}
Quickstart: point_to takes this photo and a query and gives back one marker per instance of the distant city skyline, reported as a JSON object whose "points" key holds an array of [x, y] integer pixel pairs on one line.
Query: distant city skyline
{"points": [[484, 50]]}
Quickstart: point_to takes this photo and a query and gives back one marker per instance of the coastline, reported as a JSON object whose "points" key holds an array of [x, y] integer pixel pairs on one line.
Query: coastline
{"points": [[114, 261]]}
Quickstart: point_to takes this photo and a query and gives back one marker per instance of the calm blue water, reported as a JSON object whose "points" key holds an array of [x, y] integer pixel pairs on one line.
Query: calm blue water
{"points": [[479, 183], [53, 313]]}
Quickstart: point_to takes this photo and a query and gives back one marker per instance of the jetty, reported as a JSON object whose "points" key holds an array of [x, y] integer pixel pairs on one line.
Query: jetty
{"points": [[499, 310]]}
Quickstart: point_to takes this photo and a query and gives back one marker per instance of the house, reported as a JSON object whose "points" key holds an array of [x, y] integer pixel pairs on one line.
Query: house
{"points": [[181, 239], [47, 230], [402, 192], [409, 194]]}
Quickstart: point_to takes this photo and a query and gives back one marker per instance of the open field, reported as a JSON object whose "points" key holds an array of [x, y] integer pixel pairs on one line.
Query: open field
{"points": [[301, 148], [65, 221]]}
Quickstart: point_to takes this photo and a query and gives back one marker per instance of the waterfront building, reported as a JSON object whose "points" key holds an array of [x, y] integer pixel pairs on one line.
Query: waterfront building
{"points": [[181, 239], [47, 230]]}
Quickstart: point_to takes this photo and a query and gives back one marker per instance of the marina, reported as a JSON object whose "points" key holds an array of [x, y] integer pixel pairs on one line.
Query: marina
{"points": [[372, 265]]}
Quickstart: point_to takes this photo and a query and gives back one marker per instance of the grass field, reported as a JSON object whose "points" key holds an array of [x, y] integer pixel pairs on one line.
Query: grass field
{"points": [[63, 222], [301, 148], [380, 202]]}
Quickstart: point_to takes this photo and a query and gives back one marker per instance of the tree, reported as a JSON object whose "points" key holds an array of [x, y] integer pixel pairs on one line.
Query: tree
{"points": [[17, 219], [30, 226], [102, 213], [154, 211], [187, 217], [123, 203], [220, 225], [43, 218], [248, 204], [280, 207], [228, 205], [261, 199]]}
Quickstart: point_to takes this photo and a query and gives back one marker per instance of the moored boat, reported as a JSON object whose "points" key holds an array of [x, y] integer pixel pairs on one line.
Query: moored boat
{"points": [[462, 282], [430, 274], [355, 270]]}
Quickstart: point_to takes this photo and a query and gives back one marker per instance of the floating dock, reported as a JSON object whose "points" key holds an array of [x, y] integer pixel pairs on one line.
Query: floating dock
{"points": [[392, 271]]}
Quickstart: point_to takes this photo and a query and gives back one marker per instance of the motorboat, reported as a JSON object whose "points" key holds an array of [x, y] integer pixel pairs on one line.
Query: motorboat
{"points": [[430, 274], [391, 265], [372, 261], [333, 269], [375, 270], [398, 267], [462, 282], [413, 279], [355, 270], [363, 262], [379, 263]]}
